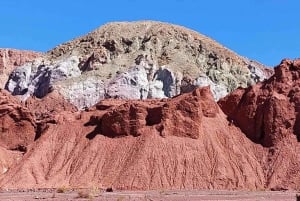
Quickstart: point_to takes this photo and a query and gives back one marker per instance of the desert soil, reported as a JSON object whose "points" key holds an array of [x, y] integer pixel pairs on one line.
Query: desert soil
{"points": [[50, 194]]}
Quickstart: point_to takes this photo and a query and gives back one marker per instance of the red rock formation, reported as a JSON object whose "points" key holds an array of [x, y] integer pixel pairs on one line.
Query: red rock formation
{"points": [[186, 142], [8, 158], [23, 123], [269, 114], [52, 104], [187, 110], [11, 58], [17, 124], [268, 111], [180, 143]]}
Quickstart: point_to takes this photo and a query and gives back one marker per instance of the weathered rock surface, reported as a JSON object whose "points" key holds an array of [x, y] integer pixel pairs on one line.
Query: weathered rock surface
{"points": [[10, 59], [132, 84], [133, 118], [268, 111], [185, 142], [269, 114], [17, 131], [22, 123], [82, 92], [37, 78], [17, 124], [169, 54], [52, 104], [151, 144], [8, 158]]}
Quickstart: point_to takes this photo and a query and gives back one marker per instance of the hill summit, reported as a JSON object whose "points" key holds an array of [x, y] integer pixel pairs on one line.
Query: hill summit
{"points": [[135, 60]]}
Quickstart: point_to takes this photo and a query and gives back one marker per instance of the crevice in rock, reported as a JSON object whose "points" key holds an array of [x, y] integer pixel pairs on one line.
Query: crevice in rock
{"points": [[20, 148], [154, 116], [94, 121], [110, 45], [297, 127], [95, 132], [133, 120], [40, 129]]}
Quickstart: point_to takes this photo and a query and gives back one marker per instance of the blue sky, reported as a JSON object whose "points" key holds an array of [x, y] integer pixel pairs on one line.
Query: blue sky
{"points": [[263, 30]]}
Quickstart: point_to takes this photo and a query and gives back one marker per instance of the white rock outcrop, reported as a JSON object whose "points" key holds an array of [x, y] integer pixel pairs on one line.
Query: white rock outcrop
{"points": [[38, 78], [132, 84], [82, 93]]}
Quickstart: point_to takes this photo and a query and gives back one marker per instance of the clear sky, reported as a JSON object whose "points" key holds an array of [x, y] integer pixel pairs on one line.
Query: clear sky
{"points": [[263, 30]]}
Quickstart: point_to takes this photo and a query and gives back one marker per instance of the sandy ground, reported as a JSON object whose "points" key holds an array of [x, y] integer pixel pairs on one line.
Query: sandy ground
{"points": [[78, 195]]}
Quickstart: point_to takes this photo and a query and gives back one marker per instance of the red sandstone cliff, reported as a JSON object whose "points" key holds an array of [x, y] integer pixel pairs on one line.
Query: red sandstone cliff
{"points": [[269, 114]]}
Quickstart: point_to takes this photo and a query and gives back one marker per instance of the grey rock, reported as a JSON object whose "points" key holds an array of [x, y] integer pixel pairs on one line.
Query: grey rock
{"points": [[37, 78], [132, 84], [138, 83], [218, 90], [65, 68], [82, 92], [168, 79], [39, 85], [18, 80], [156, 89]]}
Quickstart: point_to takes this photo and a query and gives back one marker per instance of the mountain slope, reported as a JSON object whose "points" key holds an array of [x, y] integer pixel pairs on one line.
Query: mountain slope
{"points": [[185, 142], [152, 149], [268, 113]]}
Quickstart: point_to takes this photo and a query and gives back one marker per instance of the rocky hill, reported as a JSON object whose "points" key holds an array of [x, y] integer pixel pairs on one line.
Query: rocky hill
{"points": [[140, 145], [10, 59], [185, 142], [147, 118], [269, 114], [135, 60]]}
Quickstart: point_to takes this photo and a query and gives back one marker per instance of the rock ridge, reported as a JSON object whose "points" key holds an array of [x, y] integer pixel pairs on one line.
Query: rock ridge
{"points": [[104, 63]]}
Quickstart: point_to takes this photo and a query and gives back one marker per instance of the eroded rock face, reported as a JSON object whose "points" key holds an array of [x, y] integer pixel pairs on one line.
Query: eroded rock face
{"points": [[184, 142], [21, 123], [188, 110], [39, 77], [139, 83], [268, 111], [17, 124], [142, 144], [82, 92], [7, 159], [50, 105], [168, 53], [10, 59], [132, 84], [133, 118]]}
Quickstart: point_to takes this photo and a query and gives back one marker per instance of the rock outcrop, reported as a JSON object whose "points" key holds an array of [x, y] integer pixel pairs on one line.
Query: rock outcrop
{"points": [[184, 142], [161, 58], [17, 124], [268, 113], [151, 144], [133, 118], [10, 59], [22, 123]]}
